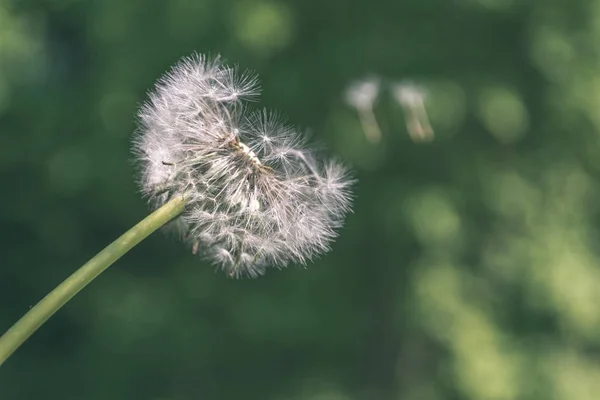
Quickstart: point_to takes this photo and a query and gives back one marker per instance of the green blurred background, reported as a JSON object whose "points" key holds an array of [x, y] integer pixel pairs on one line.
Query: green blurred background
{"points": [[468, 270]]}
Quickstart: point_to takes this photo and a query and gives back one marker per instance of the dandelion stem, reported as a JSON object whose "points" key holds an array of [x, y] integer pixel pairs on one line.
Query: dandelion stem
{"points": [[41, 312]]}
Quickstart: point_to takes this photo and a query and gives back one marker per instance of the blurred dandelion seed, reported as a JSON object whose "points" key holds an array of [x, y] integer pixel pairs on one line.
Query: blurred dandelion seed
{"points": [[362, 95], [412, 99], [257, 195]]}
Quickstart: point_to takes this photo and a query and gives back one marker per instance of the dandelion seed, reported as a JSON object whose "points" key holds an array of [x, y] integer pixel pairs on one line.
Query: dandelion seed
{"points": [[412, 99], [362, 96], [258, 196]]}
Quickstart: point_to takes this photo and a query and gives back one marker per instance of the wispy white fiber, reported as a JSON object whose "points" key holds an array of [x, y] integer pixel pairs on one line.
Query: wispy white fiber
{"points": [[258, 195]]}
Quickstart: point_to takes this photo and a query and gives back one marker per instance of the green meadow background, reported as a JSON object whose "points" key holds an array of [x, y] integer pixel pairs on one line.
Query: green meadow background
{"points": [[469, 269]]}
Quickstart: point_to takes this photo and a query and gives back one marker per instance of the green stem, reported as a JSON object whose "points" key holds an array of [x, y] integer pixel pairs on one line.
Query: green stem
{"points": [[30, 322]]}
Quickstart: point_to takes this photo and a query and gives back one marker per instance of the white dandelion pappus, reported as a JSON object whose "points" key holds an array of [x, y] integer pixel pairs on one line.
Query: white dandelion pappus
{"points": [[257, 195], [363, 94]]}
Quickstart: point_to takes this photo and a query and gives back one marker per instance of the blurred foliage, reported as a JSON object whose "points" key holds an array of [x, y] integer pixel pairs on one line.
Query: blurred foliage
{"points": [[469, 269]]}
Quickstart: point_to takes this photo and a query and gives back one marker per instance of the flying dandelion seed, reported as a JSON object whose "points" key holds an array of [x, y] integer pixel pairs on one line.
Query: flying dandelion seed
{"points": [[258, 196], [412, 99], [362, 96]]}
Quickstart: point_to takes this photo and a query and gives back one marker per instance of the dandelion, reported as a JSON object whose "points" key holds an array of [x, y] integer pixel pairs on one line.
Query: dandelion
{"points": [[362, 95], [243, 189], [412, 99], [257, 195]]}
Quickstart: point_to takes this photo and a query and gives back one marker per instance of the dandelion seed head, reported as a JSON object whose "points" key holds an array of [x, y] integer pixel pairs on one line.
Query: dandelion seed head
{"points": [[258, 196]]}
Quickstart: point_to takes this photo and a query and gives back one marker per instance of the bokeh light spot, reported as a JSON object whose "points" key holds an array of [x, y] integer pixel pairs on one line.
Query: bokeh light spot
{"points": [[263, 26], [503, 114], [434, 218], [446, 105], [551, 52]]}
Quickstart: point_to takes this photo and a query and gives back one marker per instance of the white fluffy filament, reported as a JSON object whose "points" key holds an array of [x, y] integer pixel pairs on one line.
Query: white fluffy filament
{"points": [[258, 196]]}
